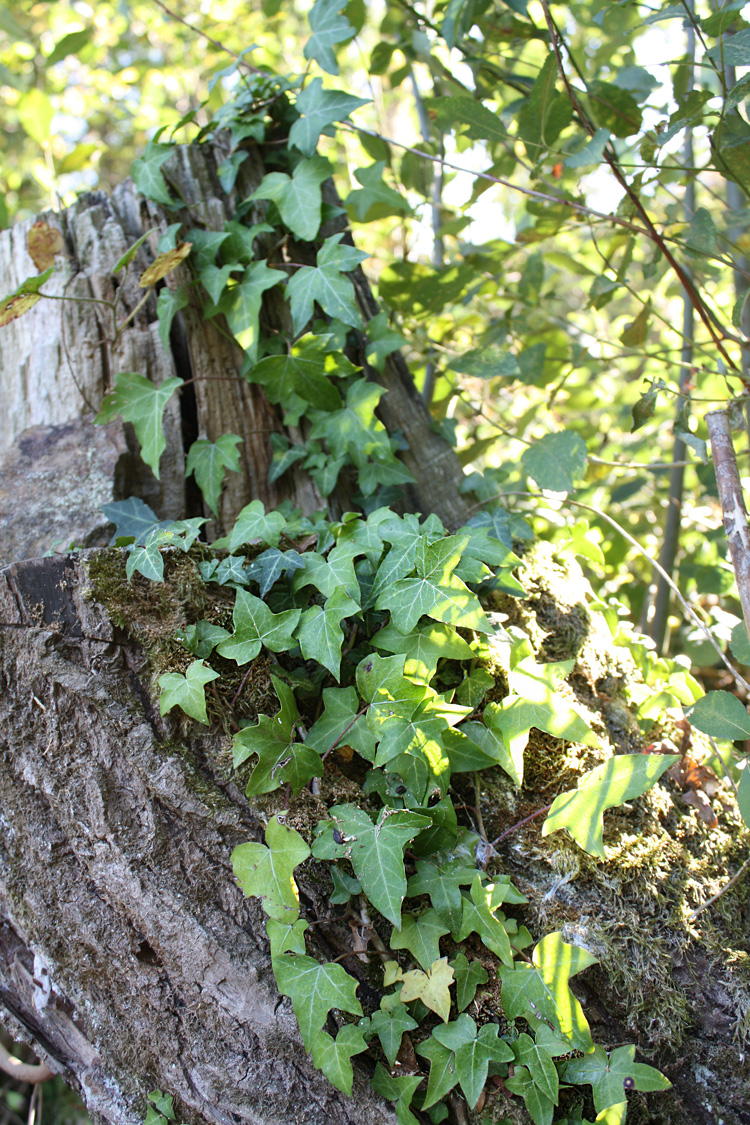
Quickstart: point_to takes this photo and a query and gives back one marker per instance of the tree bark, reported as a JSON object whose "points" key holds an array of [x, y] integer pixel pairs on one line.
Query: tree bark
{"points": [[128, 955]]}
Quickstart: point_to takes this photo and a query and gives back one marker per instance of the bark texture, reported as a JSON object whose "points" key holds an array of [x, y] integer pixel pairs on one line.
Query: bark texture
{"points": [[128, 956]]}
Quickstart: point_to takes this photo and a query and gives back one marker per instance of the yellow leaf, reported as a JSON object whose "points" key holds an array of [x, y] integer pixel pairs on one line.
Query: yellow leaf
{"points": [[430, 987]]}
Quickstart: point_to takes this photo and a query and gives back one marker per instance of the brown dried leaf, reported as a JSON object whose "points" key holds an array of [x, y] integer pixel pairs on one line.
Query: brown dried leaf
{"points": [[13, 307], [164, 264], [702, 805], [42, 243]]}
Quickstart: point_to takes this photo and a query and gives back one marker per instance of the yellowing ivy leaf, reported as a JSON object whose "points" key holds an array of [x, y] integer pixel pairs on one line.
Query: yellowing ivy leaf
{"points": [[432, 987], [267, 872]]}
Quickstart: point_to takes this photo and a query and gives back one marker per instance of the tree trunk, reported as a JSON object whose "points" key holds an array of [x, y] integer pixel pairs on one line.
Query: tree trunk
{"points": [[56, 366], [128, 955]]}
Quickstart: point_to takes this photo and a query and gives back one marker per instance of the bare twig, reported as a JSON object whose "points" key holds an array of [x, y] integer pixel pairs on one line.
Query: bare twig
{"points": [[23, 1072], [732, 504], [724, 889]]}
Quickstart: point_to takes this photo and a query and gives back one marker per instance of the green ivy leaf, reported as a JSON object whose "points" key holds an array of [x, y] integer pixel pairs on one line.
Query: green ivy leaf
{"points": [[255, 626], [320, 634], [267, 872], [241, 305], [147, 560], [339, 725], [314, 990], [622, 778], [253, 524], [423, 647], [375, 200], [326, 284], [539, 1108], [382, 339], [421, 936], [355, 431], [375, 851], [297, 197], [286, 937], [280, 759], [483, 124], [479, 916], [556, 461], [390, 1024], [187, 691], [319, 108], [147, 174], [540, 1066], [611, 1076], [540, 991], [329, 27], [473, 1051], [435, 591], [168, 304], [306, 371], [443, 884], [330, 574], [141, 402], [399, 1090], [443, 1075], [720, 714], [132, 518], [469, 975], [208, 461], [268, 567], [333, 1056]]}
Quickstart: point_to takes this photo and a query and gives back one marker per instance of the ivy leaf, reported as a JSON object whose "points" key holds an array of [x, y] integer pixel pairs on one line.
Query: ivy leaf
{"points": [[539, 1108], [556, 461], [399, 1090], [720, 714], [339, 725], [469, 975], [202, 638], [147, 560], [305, 371], [432, 987], [443, 1075], [318, 108], [473, 1051], [253, 524], [208, 461], [540, 991], [329, 26], [382, 339], [267, 872], [442, 884], [280, 759], [187, 691], [389, 1025], [320, 634], [611, 1076], [330, 574], [314, 990], [214, 279], [298, 197], [375, 851], [423, 647], [355, 430], [268, 567], [333, 1056], [168, 304], [241, 305], [540, 1066], [344, 886], [165, 263], [326, 284], [375, 200], [421, 936], [255, 626], [141, 402], [478, 916], [622, 778], [286, 937], [435, 591], [206, 245], [132, 518], [147, 174]]}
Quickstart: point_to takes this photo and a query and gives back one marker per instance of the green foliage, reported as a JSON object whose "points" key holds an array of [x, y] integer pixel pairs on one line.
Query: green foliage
{"points": [[139, 401]]}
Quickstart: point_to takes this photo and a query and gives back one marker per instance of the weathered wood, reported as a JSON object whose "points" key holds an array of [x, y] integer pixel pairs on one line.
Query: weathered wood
{"points": [[128, 955]]}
